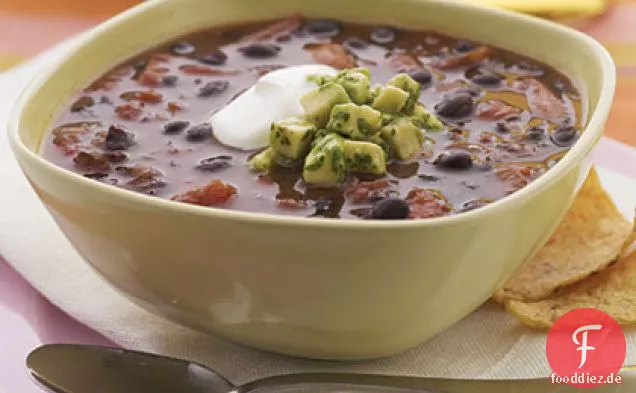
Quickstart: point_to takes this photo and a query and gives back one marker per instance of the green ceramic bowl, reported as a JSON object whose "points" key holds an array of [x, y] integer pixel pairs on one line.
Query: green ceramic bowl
{"points": [[314, 288]]}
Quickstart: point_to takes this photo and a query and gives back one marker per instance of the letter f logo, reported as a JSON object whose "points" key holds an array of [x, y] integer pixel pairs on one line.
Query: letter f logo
{"points": [[583, 344]]}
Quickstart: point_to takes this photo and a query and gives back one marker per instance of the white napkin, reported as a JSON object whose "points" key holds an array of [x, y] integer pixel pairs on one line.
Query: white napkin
{"points": [[486, 344]]}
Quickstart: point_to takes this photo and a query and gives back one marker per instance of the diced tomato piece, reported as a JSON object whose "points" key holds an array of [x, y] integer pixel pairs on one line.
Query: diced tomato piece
{"points": [[128, 112], [69, 137], [332, 54], [149, 79], [543, 103], [426, 203], [285, 26], [217, 192], [174, 107], [519, 175], [91, 162], [145, 96], [496, 110], [464, 59], [403, 62], [368, 191]]}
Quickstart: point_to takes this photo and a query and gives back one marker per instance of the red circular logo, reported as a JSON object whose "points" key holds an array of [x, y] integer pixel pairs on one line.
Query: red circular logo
{"points": [[586, 348]]}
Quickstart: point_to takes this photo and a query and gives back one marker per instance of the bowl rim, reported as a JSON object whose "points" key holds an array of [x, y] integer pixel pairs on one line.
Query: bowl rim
{"points": [[592, 133]]}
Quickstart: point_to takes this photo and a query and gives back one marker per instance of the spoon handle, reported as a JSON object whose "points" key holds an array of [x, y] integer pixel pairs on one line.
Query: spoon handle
{"points": [[359, 383]]}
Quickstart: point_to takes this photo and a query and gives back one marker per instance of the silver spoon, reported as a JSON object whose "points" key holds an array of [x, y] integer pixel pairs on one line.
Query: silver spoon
{"points": [[66, 368]]}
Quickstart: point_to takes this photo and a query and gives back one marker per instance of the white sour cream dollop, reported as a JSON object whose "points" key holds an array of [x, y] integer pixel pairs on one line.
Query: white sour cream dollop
{"points": [[245, 122]]}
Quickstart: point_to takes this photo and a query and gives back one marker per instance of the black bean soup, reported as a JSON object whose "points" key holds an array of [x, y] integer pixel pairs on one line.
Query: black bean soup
{"points": [[142, 126]]}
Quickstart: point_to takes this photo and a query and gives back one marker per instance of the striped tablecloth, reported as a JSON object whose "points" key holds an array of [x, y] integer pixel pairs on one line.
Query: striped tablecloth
{"points": [[29, 26]]}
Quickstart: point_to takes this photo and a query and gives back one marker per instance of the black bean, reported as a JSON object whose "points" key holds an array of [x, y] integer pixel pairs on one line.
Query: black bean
{"points": [[213, 88], [502, 127], [356, 43], [215, 163], [564, 136], [175, 127], [217, 58], [535, 133], [426, 177], [118, 139], [170, 80], [259, 50], [183, 48], [284, 38], [322, 27], [454, 160], [115, 156], [96, 175], [487, 80], [383, 35], [199, 132], [464, 46], [421, 75], [82, 103], [390, 209], [105, 100], [456, 106]]}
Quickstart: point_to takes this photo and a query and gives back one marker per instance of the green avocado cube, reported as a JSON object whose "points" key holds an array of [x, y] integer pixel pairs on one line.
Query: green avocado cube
{"points": [[378, 140], [358, 122], [364, 157], [325, 163], [425, 119], [290, 138], [362, 70], [356, 83], [390, 100], [404, 138], [410, 86], [262, 161], [318, 102]]}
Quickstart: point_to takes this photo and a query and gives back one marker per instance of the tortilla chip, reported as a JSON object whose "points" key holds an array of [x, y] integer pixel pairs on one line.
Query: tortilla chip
{"points": [[590, 237], [613, 290], [630, 244]]}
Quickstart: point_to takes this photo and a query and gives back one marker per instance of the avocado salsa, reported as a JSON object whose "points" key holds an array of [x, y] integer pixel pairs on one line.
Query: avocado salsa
{"points": [[415, 124]]}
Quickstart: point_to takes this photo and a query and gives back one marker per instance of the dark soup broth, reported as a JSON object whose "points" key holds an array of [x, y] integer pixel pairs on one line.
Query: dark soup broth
{"points": [[414, 124]]}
